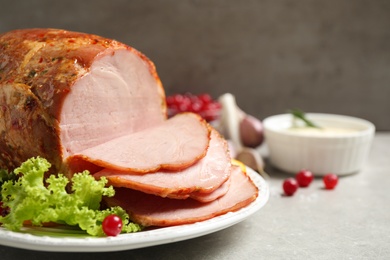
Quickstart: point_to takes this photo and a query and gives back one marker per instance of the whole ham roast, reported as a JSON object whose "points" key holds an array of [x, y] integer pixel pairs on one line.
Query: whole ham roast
{"points": [[85, 102]]}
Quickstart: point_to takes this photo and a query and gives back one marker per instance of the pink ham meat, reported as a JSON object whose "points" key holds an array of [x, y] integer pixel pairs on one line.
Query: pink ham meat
{"points": [[198, 181], [62, 92], [173, 145], [207, 197], [150, 210]]}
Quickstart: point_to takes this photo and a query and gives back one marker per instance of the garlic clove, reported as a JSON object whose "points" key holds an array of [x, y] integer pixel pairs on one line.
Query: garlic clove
{"points": [[251, 131], [252, 159]]}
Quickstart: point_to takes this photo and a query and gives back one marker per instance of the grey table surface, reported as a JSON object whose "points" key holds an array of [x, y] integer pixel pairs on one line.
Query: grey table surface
{"points": [[350, 222]]}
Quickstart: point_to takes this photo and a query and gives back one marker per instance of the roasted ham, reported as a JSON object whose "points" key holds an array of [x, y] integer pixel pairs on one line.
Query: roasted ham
{"points": [[85, 102], [62, 92]]}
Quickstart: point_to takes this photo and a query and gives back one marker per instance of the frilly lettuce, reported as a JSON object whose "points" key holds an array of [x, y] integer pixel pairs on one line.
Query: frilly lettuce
{"points": [[33, 199]]}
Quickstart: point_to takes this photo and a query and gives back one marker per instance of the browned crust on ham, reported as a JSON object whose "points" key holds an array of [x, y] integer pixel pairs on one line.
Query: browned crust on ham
{"points": [[49, 61], [26, 123], [38, 68]]}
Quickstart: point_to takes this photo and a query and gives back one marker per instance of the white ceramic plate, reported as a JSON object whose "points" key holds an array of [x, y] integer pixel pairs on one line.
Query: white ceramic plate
{"points": [[74, 240]]}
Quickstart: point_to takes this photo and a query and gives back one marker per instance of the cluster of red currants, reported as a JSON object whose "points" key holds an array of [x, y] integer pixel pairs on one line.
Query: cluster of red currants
{"points": [[202, 104], [303, 179]]}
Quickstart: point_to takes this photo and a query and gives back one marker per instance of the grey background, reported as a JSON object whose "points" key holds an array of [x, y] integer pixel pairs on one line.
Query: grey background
{"points": [[321, 56]]}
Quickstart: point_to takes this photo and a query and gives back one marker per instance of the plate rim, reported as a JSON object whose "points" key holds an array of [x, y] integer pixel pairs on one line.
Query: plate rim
{"points": [[27, 239]]}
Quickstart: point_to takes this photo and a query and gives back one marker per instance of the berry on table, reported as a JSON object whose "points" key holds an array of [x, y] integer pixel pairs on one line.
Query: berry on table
{"points": [[304, 178], [330, 181], [290, 186]]}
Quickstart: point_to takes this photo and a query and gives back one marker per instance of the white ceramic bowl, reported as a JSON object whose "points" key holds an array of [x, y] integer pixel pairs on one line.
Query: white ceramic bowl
{"points": [[318, 151]]}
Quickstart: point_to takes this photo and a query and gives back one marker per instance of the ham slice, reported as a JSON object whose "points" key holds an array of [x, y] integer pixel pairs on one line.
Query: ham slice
{"points": [[173, 145], [207, 197], [150, 210], [197, 181]]}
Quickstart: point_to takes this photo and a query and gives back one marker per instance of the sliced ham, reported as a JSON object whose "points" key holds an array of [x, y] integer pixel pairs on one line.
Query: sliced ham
{"points": [[198, 181], [211, 196], [173, 145], [150, 210], [62, 92]]}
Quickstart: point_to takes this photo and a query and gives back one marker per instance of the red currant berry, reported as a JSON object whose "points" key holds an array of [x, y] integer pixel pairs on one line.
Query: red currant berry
{"points": [[205, 98], [330, 181], [196, 107], [304, 178], [170, 100], [184, 107], [178, 98], [202, 104], [211, 111], [290, 186], [112, 225]]}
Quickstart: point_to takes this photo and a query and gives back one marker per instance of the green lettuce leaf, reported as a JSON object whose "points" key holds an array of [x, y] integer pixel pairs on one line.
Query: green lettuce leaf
{"points": [[34, 199]]}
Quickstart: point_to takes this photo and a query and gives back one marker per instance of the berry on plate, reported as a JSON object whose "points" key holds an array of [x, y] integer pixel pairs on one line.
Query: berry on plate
{"points": [[112, 225]]}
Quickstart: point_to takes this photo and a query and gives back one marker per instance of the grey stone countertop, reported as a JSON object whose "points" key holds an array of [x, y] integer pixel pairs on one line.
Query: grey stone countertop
{"points": [[350, 222]]}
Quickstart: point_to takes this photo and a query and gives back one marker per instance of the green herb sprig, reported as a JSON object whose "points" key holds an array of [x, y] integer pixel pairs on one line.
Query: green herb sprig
{"points": [[299, 114]]}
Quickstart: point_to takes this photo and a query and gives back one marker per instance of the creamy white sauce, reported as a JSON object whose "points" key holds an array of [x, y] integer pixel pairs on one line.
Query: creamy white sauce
{"points": [[325, 131]]}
